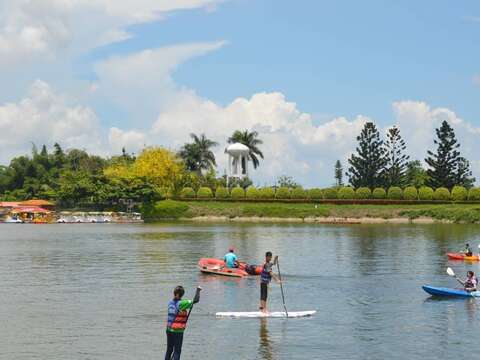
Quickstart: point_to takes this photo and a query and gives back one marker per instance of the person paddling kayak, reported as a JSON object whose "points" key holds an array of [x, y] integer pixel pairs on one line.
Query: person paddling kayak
{"points": [[177, 321], [468, 250], [265, 278], [470, 283], [231, 259]]}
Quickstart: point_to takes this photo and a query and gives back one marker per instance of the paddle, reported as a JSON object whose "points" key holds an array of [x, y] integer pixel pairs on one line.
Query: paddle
{"points": [[450, 272], [281, 287]]}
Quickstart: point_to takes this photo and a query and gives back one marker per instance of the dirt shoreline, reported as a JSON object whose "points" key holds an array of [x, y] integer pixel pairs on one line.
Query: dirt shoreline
{"points": [[319, 220]]}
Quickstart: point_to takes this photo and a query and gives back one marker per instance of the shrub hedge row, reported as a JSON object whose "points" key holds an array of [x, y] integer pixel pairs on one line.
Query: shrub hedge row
{"points": [[458, 193]]}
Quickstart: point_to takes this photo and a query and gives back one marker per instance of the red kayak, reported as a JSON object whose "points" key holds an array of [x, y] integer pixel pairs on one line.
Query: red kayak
{"points": [[217, 267], [460, 256]]}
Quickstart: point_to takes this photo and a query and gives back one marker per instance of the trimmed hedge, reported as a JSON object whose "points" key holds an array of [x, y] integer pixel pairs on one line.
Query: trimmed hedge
{"points": [[346, 193], [165, 209], [395, 193], [425, 193], [459, 193], [222, 193], [252, 193], [379, 193], [187, 193], [267, 193], [330, 194], [298, 193], [410, 193], [315, 194], [237, 193], [282, 193], [204, 193], [363, 193], [441, 193], [474, 194]]}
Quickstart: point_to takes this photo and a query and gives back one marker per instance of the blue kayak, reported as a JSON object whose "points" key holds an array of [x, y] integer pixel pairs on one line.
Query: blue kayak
{"points": [[441, 291]]}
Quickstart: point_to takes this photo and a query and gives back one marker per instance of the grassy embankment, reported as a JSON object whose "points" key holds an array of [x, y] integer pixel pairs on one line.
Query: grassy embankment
{"points": [[169, 209]]}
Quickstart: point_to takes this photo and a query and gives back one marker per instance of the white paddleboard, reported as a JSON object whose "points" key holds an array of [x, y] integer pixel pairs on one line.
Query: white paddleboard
{"points": [[259, 314]]}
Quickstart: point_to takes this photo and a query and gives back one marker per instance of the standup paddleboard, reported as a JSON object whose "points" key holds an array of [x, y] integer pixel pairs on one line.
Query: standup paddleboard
{"points": [[259, 314]]}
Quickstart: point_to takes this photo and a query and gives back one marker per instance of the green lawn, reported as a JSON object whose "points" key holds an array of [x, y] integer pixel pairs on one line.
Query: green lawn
{"points": [[469, 213]]}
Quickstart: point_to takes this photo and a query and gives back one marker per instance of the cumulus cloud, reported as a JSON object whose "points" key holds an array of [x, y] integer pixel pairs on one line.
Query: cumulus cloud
{"points": [[131, 140], [44, 117]]}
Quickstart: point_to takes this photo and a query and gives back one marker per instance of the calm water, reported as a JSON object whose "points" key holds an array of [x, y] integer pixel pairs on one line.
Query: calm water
{"points": [[100, 292]]}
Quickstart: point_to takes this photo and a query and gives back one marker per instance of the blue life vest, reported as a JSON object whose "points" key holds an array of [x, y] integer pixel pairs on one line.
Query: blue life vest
{"points": [[265, 276]]}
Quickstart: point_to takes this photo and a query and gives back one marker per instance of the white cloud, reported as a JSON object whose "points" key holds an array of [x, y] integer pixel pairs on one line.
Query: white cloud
{"points": [[44, 117], [43, 29], [131, 140]]}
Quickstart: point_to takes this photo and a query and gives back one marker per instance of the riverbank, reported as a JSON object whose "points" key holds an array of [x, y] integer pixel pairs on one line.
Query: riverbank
{"points": [[312, 213]]}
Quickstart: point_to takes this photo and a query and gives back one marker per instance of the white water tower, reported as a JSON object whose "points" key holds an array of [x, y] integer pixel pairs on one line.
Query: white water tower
{"points": [[237, 160]]}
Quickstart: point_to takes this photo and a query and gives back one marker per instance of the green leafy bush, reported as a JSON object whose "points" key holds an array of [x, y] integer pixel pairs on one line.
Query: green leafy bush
{"points": [[346, 193], [282, 193], [425, 193], [441, 193], [315, 194], [410, 193], [204, 193], [363, 193], [298, 193], [166, 209], [379, 193], [253, 193], [187, 193], [395, 193], [222, 193], [330, 193], [459, 193], [474, 194], [237, 193], [267, 193]]}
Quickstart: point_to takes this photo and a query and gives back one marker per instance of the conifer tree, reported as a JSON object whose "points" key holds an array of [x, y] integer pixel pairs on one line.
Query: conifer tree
{"points": [[447, 167], [338, 173], [395, 168], [367, 164]]}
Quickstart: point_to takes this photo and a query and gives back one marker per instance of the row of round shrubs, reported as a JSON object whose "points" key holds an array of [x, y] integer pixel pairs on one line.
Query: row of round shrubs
{"points": [[458, 193]]}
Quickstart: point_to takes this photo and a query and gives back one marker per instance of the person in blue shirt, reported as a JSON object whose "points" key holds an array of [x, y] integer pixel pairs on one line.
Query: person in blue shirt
{"points": [[230, 259]]}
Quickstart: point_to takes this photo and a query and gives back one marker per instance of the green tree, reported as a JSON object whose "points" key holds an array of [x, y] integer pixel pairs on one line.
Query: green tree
{"points": [[251, 140], [415, 174], [287, 181], [396, 159], [198, 155], [338, 174], [446, 167], [367, 164]]}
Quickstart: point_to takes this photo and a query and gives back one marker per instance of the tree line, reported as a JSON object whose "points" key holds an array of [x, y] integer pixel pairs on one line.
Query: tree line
{"points": [[384, 163]]}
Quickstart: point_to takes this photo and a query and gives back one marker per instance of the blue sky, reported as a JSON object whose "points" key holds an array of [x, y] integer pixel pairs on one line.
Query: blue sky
{"points": [[305, 74]]}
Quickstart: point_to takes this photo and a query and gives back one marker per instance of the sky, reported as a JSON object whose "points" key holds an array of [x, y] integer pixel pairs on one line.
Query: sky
{"points": [[307, 74]]}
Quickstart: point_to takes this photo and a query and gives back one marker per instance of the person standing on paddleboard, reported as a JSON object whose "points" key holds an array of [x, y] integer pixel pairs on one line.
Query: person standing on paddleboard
{"points": [[177, 321], [265, 278]]}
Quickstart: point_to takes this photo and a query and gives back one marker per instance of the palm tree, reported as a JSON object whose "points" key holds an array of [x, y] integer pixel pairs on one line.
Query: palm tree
{"points": [[197, 155], [251, 140]]}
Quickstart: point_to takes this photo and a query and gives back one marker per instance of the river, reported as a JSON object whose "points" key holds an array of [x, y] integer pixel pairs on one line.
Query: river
{"points": [[98, 291]]}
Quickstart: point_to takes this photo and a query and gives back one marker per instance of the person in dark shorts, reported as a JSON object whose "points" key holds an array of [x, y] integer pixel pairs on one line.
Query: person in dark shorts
{"points": [[177, 321], [265, 278]]}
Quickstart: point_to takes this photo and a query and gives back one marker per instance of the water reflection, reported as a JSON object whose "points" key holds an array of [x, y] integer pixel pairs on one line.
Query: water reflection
{"points": [[265, 348]]}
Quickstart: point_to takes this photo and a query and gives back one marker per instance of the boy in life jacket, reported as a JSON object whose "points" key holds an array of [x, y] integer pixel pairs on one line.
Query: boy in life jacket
{"points": [[265, 278], [470, 283], [468, 250], [177, 321]]}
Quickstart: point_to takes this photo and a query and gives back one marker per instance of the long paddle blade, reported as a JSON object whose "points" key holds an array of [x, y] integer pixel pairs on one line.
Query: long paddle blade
{"points": [[450, 271], [281, 287]]}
